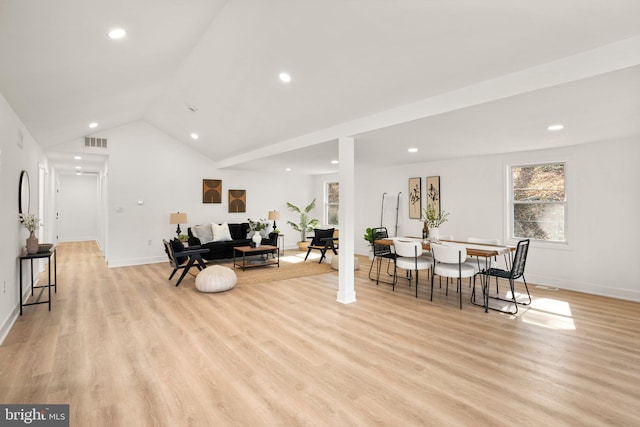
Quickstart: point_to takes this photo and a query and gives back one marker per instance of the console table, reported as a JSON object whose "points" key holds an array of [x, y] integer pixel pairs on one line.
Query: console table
{"points": [[50, 254]]}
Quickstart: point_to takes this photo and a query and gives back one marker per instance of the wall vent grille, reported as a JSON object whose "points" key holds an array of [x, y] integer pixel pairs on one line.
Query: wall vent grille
{"points": [[95, 142]]}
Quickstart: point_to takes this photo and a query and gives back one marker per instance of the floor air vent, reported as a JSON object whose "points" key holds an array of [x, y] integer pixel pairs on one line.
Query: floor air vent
{"points": [[95, 142]]}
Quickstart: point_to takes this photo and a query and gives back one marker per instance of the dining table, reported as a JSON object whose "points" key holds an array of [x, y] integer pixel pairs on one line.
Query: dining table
{"points": [[477, 250]]}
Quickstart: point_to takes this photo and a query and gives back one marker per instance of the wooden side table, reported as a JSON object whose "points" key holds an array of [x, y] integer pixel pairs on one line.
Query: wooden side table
{"points": [[281, 244], [50, 254]]}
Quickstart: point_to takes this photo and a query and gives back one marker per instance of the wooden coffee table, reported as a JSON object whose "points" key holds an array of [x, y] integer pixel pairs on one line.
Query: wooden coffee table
{"points": [[248, 251]]}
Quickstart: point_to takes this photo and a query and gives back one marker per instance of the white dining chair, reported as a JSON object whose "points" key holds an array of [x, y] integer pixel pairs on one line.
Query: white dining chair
{"points": [[409, 258], [476, 260], [448, 261], [482, 264]]}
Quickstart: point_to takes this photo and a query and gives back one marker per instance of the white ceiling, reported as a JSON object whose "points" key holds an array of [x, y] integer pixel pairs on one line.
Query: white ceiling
{"points": [[454, 78]]}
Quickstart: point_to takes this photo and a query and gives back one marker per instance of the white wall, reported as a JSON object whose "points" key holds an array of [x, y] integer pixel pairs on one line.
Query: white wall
{"points": [[603, 222], [166, 176], [77, 208], [13, 159]]}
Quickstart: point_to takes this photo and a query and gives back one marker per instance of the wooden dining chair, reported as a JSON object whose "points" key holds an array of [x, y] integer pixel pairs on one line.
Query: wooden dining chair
{"points": [[448, 261]]}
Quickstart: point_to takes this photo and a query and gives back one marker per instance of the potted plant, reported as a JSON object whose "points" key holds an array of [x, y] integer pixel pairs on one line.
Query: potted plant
{"points": [[432, 222], [305, 224], [368, 236], [259, 226]]}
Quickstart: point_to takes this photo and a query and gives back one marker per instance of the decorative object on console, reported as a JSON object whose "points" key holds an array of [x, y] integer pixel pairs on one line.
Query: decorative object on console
{"points": [[211, 191], [273, 216], [415, 197], [305, 224], [31, 223], [237, 200], [178, 218]]}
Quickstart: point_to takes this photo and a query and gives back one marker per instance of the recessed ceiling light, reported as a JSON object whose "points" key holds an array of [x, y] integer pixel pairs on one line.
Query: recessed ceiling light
{"points": [[77, 157], [78, 167], [285, 77], [117, 33], [334, 162], [556, 127], [93, 125], [78, 173], [194, 135], [288, 169], [412, 150]]}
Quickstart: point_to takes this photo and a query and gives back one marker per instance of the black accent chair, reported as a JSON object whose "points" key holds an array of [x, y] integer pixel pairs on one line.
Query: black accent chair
{"points": [[323, 240], [516, 272], [183, 258], [380, 253]]}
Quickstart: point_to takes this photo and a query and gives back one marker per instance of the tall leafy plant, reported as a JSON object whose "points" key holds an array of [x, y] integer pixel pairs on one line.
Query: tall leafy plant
{"points": [[305, 224]]}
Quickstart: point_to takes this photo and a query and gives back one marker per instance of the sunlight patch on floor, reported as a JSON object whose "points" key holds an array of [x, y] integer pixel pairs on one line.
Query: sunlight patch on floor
{"points": [[550, 313], [294, 259]]}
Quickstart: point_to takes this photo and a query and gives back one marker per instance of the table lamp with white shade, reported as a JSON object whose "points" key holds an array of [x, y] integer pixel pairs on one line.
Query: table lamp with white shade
{"points": [[178, 218], [273, 216]]}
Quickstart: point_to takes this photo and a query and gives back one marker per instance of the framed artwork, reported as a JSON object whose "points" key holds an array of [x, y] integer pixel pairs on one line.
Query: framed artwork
{"points": [[433, 193], [211, 191], [237, 200], [415, 198]]}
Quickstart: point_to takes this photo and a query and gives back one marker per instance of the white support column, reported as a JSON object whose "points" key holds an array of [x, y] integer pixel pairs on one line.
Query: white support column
{"points": [[346, 291]]}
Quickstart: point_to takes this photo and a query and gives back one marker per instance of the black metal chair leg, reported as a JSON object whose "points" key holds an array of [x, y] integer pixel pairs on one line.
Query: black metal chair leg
{"points": [[432, 279]]}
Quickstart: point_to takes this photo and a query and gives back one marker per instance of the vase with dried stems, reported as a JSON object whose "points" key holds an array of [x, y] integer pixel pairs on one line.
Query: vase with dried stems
{"points": [[31, 223]]}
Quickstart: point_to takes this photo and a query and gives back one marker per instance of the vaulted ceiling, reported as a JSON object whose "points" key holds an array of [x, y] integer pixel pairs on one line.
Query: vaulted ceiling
{"points": [[454, 78]]}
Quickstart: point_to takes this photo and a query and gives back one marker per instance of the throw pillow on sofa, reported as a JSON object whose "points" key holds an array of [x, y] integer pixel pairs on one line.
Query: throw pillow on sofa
{"points": [[221, 232], [204, 233]]}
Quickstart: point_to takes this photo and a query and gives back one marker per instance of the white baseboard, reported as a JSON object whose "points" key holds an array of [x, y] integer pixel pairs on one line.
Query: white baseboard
{"points": [[584, 287], [6, 326], [8, 323], [137, 261]]}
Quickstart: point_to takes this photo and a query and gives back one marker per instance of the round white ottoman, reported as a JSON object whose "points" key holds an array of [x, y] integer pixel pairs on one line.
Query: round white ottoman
{"points": [[216, 278], [335, 263]]}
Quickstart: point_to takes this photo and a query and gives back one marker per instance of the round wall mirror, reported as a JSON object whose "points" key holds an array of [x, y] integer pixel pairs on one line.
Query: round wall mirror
{"points": [[24, 193]]}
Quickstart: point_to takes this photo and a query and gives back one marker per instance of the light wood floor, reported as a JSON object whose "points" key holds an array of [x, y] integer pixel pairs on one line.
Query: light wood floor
{"points": [[124, 347]]}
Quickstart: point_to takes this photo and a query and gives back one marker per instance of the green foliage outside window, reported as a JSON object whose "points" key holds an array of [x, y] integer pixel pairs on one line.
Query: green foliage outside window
{"points": [[333, 203], [539, 201]]}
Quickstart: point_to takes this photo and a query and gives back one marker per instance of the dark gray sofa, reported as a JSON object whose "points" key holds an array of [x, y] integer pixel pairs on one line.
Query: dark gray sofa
{"points": [[223, 250]]}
